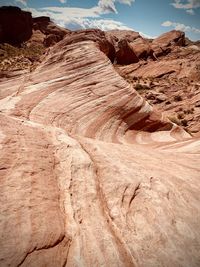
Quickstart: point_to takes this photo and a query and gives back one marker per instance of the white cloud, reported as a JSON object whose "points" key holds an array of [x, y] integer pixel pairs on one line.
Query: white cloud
{"points": [[188, 5], [126, 2], [108, 6], [69, 13], [103, 7], [109, 24], [190, 11], [23, 2], [180, 27], [85, 17], [58, 13], [80, 18], [144, 35], [167, 23], [104, 24]]}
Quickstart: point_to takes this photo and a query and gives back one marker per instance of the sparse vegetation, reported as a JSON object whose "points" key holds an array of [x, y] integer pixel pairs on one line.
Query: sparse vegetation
{"points": [[140, 87], [174, 119], [30, 52], [184, 122], [181, 116], [189, 111], [179, 120], [178, 98], [12, 58]]}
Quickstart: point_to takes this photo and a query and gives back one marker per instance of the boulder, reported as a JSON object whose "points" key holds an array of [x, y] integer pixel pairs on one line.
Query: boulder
{"points": [[141, 47], [165, 43], [125, 55], [174, 38], [115, 36]]}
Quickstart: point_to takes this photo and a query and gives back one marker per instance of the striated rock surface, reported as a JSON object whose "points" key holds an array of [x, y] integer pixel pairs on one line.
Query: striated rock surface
{"points": [[91, 174], [95, 35]]}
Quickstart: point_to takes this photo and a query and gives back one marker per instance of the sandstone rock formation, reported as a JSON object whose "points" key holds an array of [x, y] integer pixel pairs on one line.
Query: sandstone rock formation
{"points": [[165, 43], [170, 38], [125, 54], [177, 77], [15, 25], [129, 46], [94, 35], [91, 174], [115, 36], [23, 39], [51, 33], [142, 48], [18, 26]]}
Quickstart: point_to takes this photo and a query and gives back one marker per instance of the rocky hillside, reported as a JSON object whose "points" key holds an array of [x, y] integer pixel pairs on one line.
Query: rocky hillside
{"points": [[23, 39], [91, 173], [165, 71], [171, 81]]}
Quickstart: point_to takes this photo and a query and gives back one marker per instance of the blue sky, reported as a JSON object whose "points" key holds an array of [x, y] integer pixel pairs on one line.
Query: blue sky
{"points": [[149, 17]]}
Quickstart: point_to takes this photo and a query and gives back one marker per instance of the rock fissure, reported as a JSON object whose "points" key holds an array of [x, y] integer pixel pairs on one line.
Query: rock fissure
{"points": [[58, 242]]}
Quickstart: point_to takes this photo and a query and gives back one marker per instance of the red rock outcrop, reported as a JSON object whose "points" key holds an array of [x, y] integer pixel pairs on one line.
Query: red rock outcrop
{"points": [[15, 25], [51, 33], [174, 37], [91, 174], [172, 83], [94, 35], [165, 43], [125, 55], [115, 36], [18, 26], [23, 39], [129, 46], [142, 48]]}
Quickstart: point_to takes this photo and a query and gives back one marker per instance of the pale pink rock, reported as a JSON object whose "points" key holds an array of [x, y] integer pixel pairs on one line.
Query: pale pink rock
{"points": [[91, 174]]}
